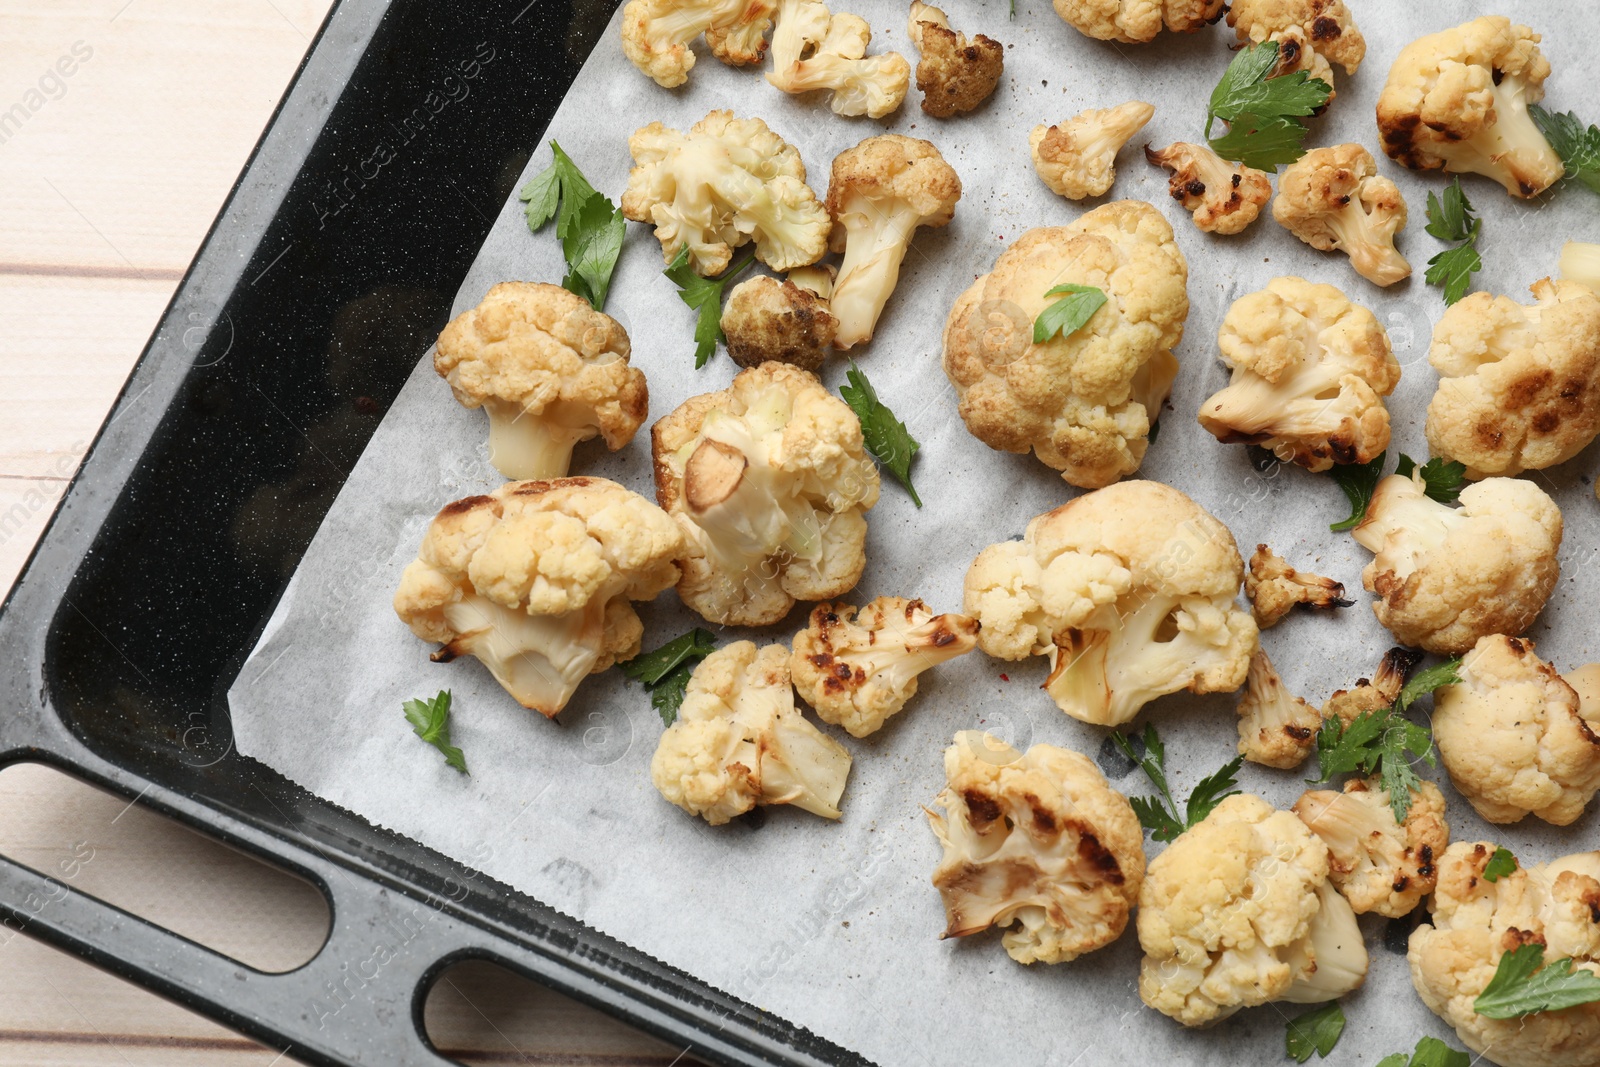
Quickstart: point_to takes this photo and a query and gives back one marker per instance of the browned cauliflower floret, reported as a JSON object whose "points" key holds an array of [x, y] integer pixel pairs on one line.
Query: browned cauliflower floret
{"points": [[656, 34], [956, 73], [1377, 863], [1458, 101], [1083, 403], [857, 671], [768, 320], [1310, 34], [1137, 21], [1223, 197], [1274, 588], [1519, 385], [1310, 371], [1276, 728], [1038, 840], [535, 579], [549, 369], [1377, 693], [727, 181], [1334, 200], [1077, 158], [814, 49], [1516, 737], [770, 481]]}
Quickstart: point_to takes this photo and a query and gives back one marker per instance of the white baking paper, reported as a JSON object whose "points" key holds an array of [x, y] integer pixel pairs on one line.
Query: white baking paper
{"points": [[834, 926]]}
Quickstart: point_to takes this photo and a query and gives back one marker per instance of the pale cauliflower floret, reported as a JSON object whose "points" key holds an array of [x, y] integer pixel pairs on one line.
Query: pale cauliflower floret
{"points": [[1084, 402], [727, 181], [1276, 728], [956, 73], [1238, 911], [1519, 385], [1077, 158], [534, 581], [656, 34], [1334, 200], [1516, 737], [1310, 371], [814, 49], [1310, 34], [1458, 100], [739, 741], [1223, 197], [1039, 843], [1580, 262], [857, 671], [1137, 21], [549, 369], [769, 480], [1375, 694], [1476, 921], [1128, 590], [1274, 588], [879, 193], [768, 320], [1379, 865], [1449, 576]]}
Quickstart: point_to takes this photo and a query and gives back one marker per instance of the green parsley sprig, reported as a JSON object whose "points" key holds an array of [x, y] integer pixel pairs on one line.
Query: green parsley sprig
{"points": [[1579, 148], [1359, 481], [1523, 984], [1442, 480], [704, 295], [1263, 114], [1159, 814], [1500, 864], [1430, 1052], [588, 224], [1068, 315], [665, 671], [1316, 1031], [430, 719], [1450, 218], [886, 437]]}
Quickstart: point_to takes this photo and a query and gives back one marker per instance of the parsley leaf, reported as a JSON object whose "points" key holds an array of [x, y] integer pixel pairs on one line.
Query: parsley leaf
{"points": [[665, 671], [588, 224], [1578, 148], [1358, 480], [1316, 1031], [1263, 113], [1159, 814], [1522, 985], [886, 436], [1441, 480], [704, 295], [561, 182], [430, 719], [1425, 682], [1430, 1052], [1453, 269], [1450, 219], [1068, 315], [1500, 864]]}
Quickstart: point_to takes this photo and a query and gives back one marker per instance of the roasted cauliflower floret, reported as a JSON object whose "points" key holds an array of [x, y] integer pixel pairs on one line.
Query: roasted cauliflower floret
{"points": [[549, 369], [1039, 843], [1310, 371], [1449, 576], [534, 580], [1516, 737], [769, 480], [857, 671], [768, 320], [1334, 200], [1223, 197], [727, 181], [656, 34], [1274, 588], [1519, 385], [1137, 21], [956, 73], [1374, 694], [1458, 101], [1238, 911], [1077, 159], [879, 193], [1378, 864], [1276, 728], [1476, 921], [1310, 34], [1083, 403], [1128, 590], [814, 49], [739, 741]]}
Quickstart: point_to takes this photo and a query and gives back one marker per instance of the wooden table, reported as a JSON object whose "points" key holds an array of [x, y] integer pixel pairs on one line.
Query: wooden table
{"points": [[123, 123]]}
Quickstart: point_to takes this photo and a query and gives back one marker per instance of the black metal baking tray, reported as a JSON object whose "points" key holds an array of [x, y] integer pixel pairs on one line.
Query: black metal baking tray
{"points": [[324, 280]]}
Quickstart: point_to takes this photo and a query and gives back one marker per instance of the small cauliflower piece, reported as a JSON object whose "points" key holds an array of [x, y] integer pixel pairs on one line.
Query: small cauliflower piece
{"points": [[1475, 922], [879, 193], [813, 49], [1458, 101], [1083, 403], [857, 671], [1449, 576], [1077, 158], [1276, 728], [1274, 588], [1128, 590], [1040, 843], [535, 580], [1223, 197], [656, 34], [549, 369], [1516, 737], [1310, 34], [1334, 200], [1137, 21], [1580, 262], [739, 741], [1519, 385], [1376, 694], [1310, 371], [727, 181], [1378, 864], [769, 480], [956, 73], [1238, 911], [768, 320]]}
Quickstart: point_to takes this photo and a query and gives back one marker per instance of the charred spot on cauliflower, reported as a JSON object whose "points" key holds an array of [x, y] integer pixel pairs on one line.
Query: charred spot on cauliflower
{"points": [[768, 320], [956, 73], [1376, 694], [1274, 588], [656, 34], [1137, 21], [1223, 197], [1276, 728], [1378, 864], [814, 49], [1077, 158], [1334, 200]]}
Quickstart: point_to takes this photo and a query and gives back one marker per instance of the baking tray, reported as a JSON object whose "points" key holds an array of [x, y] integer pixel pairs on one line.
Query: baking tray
{"points": [[324, 280]]}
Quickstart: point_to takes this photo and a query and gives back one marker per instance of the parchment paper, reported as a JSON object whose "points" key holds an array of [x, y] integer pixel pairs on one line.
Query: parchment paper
{"points": [[835, 926]]}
